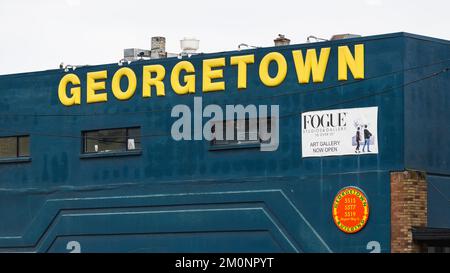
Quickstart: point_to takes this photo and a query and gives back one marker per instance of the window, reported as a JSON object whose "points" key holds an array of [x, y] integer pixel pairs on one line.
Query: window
{"points": [[245, 132], [112, 140], [15, 146], [438, 249]]}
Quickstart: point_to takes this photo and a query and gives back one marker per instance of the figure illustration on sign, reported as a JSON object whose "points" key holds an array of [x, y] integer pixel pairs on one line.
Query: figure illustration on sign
{"points": [[367, 136], [358, 139]]}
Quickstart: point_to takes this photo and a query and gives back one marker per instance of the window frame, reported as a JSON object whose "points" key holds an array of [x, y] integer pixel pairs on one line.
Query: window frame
{"points": [[17, 151], [84, 133], [237, 144]]}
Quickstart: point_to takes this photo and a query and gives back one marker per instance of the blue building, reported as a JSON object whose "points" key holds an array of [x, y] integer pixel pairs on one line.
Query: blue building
{"points": [[89, 162]]}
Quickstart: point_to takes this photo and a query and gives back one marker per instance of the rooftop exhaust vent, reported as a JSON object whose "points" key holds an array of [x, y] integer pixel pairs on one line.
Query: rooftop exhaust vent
{"points": [[157, 51], [189, 45], [132, 54], [344, 36], [281, 40]]}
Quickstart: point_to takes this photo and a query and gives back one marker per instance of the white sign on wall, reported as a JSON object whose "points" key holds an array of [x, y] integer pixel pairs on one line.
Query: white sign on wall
{"points": [[351, 131]]}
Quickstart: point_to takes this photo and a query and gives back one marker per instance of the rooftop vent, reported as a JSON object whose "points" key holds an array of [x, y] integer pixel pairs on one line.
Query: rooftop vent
{"points": [[281, 40], [157, 51], [344, 36], [132, 54], [189, 45]]}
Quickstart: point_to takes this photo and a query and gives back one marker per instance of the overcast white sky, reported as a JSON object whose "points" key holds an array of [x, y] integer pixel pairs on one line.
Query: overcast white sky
{"points": [[40, 34]]}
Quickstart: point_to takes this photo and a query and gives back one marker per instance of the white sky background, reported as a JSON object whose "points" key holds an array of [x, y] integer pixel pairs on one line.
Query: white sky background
{"points": [[40, 34]]}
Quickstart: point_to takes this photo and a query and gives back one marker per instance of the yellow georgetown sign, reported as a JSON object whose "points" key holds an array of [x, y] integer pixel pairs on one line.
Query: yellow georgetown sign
{"points": [[305, 65]]}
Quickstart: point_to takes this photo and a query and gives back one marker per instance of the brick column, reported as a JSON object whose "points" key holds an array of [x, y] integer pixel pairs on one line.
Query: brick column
{"points": [[408, 209]]}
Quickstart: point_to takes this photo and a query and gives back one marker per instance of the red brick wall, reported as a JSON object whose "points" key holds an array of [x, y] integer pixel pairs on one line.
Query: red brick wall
{"points": [[408, 209]]}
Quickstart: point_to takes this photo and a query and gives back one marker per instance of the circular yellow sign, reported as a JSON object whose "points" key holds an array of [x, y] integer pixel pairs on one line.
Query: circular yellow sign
{"points": [[350, 210]]}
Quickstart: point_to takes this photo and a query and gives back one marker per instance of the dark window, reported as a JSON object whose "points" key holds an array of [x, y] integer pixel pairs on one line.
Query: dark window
{"points": [[112, 140], [248, 131], [438, 249], [16, 146]]}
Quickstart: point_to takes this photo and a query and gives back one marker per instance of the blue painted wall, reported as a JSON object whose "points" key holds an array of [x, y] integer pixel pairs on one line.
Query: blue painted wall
{"points": [[427, 122], [438, 201], [182, 197]]}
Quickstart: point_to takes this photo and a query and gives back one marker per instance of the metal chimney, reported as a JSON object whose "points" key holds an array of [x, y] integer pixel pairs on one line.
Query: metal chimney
{"points": [[158, 49], [281, 40]]}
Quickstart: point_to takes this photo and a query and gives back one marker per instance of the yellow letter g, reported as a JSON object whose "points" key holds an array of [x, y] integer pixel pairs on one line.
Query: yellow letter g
{"points": [[75, 91]]}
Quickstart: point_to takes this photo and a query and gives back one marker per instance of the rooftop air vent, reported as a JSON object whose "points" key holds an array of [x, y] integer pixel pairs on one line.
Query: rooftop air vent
{"points": [[344, 36], [281, 40], [189, 45]]}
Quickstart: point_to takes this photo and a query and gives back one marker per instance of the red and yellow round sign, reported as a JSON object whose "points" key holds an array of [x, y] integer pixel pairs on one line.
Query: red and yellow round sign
{"points": [[350, 210]]}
